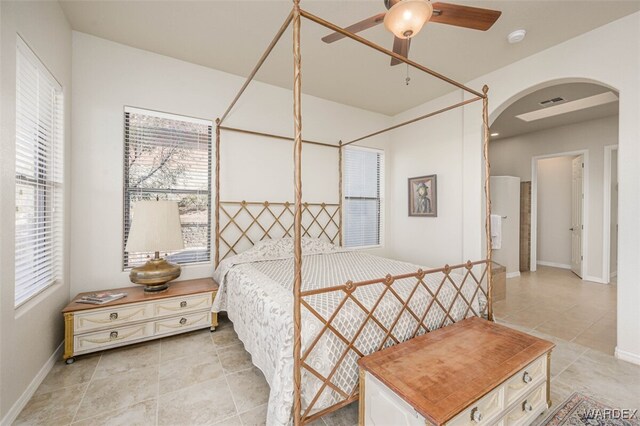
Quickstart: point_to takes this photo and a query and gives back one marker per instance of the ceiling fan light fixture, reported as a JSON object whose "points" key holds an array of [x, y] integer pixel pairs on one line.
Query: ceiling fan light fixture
{"points": [[406, 18]]}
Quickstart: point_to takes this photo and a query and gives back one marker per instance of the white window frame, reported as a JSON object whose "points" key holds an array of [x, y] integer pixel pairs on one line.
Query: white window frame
{"points": [[49, 184], [126, 265], [382, 177]]}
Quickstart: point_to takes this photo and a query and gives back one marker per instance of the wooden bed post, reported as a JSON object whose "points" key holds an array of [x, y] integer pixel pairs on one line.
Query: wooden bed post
{"points": [[297, 219], [217, 217], [487, 194], [340, 193]]}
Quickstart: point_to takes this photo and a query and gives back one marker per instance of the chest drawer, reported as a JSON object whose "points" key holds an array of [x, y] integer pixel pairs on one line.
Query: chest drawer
{"points": [[111, 337], [528, 409], [182, 304], [182, 322], [483, 412], [526, 379], [107, 317]]}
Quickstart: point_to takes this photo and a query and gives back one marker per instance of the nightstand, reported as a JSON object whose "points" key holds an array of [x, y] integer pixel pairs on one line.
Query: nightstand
{"points": [[138, 317]]}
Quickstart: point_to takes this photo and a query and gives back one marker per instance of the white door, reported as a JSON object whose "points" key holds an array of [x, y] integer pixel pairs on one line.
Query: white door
{"points": [[577, 227]]}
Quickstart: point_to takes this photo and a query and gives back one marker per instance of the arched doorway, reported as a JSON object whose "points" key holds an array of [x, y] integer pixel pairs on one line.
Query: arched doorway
{"points": [[554, 145]]}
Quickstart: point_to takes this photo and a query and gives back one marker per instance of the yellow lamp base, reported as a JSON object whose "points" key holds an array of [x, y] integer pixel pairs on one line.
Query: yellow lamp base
{"points": [[155, 274]]}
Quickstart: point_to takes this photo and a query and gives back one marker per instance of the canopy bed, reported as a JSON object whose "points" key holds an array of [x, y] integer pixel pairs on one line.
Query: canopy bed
{"points": [[307, 327]]}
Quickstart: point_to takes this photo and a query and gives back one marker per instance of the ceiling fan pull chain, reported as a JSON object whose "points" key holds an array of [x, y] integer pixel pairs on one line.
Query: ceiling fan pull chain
{"points": [[408, 79]]}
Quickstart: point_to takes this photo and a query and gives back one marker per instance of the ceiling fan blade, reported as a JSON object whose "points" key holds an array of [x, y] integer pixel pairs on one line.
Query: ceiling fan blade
{"points": [[401, 47], [356, 28], [464, 16]]}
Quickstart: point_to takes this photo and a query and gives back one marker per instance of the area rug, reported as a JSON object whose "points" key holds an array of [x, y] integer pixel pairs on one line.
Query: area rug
{"points": [[580, 410]]}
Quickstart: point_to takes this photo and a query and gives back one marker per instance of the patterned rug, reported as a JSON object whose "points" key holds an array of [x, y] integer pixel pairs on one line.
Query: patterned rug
{"points": [[580, 410]]}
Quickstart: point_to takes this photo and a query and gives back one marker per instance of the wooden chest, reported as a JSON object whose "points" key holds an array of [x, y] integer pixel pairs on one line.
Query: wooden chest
{"points": [[474, 372]]}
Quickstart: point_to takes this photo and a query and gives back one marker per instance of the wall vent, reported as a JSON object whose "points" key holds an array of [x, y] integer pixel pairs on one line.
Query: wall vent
{"points": [[552, 101]]}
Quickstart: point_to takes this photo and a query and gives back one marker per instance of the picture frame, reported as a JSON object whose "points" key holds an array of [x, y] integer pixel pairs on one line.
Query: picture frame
{"points": [[423, 196]]}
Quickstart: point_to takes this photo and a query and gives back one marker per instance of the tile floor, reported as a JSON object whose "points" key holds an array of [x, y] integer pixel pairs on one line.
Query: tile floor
{"points": [[558, 303], [207, 378], [195, 378]]}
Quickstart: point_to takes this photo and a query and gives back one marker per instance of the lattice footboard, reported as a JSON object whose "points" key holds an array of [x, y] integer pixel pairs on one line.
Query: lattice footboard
{"points": [[345, 322]]}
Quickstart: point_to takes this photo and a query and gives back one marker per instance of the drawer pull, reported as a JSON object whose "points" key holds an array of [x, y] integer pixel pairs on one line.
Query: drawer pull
{"points": [[170, 323], [476, 415], [526, 406], [192, 304], [526, 377], [112, 316], [114, 335]]}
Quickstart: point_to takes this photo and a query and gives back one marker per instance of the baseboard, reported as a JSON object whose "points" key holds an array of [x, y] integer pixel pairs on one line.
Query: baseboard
{"points": [[553, 264], [627, 356], [19, 405], [513, 274]]}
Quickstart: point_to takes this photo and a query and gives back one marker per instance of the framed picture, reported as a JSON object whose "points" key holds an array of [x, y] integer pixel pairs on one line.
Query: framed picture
{"points": [[423, 196]]}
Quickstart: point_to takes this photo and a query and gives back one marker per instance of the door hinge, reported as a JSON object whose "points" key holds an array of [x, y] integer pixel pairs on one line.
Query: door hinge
{"points": [[581, 257]]}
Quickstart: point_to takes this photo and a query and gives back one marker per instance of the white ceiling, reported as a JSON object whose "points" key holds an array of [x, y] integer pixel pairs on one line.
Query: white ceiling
{"points": [[231, 36], [508, 125]]}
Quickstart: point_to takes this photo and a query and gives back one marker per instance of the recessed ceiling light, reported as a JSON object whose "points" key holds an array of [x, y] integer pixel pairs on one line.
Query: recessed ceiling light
{"points": [[588, 102], [516, 36], [495, 134]]}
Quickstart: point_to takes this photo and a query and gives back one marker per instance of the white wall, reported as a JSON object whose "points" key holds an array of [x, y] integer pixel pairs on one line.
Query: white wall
{"points": [[505, 202], [107, 76], [513, 156], [554, 211], [31, 333], [424, 148]]}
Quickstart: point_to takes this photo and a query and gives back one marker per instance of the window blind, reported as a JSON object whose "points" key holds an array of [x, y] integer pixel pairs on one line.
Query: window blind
{"points": [[168, 157], [39, 220], [363, 196]]}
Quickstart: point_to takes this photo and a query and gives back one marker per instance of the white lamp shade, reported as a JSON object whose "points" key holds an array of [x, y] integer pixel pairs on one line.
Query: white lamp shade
{"points": [[406, 18], [155, 227]]}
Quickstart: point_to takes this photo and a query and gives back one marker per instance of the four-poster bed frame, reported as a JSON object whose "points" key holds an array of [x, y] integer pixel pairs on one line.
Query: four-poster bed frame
{"points": [[325, 220]]}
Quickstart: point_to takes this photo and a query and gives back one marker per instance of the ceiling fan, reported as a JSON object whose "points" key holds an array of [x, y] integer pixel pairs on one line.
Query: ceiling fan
{"points": [[405, 18]]}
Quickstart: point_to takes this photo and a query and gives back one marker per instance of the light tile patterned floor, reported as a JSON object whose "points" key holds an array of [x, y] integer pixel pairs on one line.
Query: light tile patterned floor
{"points": [[205, 378], [558, 303], [192, 379]]}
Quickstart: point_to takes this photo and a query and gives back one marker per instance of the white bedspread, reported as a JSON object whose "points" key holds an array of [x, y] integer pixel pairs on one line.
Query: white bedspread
{"points": [[256, 291]]}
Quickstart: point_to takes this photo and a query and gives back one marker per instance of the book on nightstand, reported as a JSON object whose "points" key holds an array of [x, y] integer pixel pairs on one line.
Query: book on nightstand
{"points": [[101, 298]]}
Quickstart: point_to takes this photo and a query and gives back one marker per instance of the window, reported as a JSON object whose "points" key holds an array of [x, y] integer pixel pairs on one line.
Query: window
{"points": [[168, 157], [39, 218], [363, 196]]}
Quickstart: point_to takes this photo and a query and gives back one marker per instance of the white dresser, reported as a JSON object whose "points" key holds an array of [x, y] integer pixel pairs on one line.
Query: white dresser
{"points": [[447, 378], [184, 306]]}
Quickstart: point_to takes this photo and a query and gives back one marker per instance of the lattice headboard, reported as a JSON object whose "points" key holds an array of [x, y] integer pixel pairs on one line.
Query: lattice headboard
{"points": [[244, 223]]}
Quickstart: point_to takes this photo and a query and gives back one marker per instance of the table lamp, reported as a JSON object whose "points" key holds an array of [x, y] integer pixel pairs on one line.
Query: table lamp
{"points": [[155, 228]]}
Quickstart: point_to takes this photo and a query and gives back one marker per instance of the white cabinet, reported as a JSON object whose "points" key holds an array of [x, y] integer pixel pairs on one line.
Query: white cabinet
{"points": [[505, 202], [140, 316]]}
